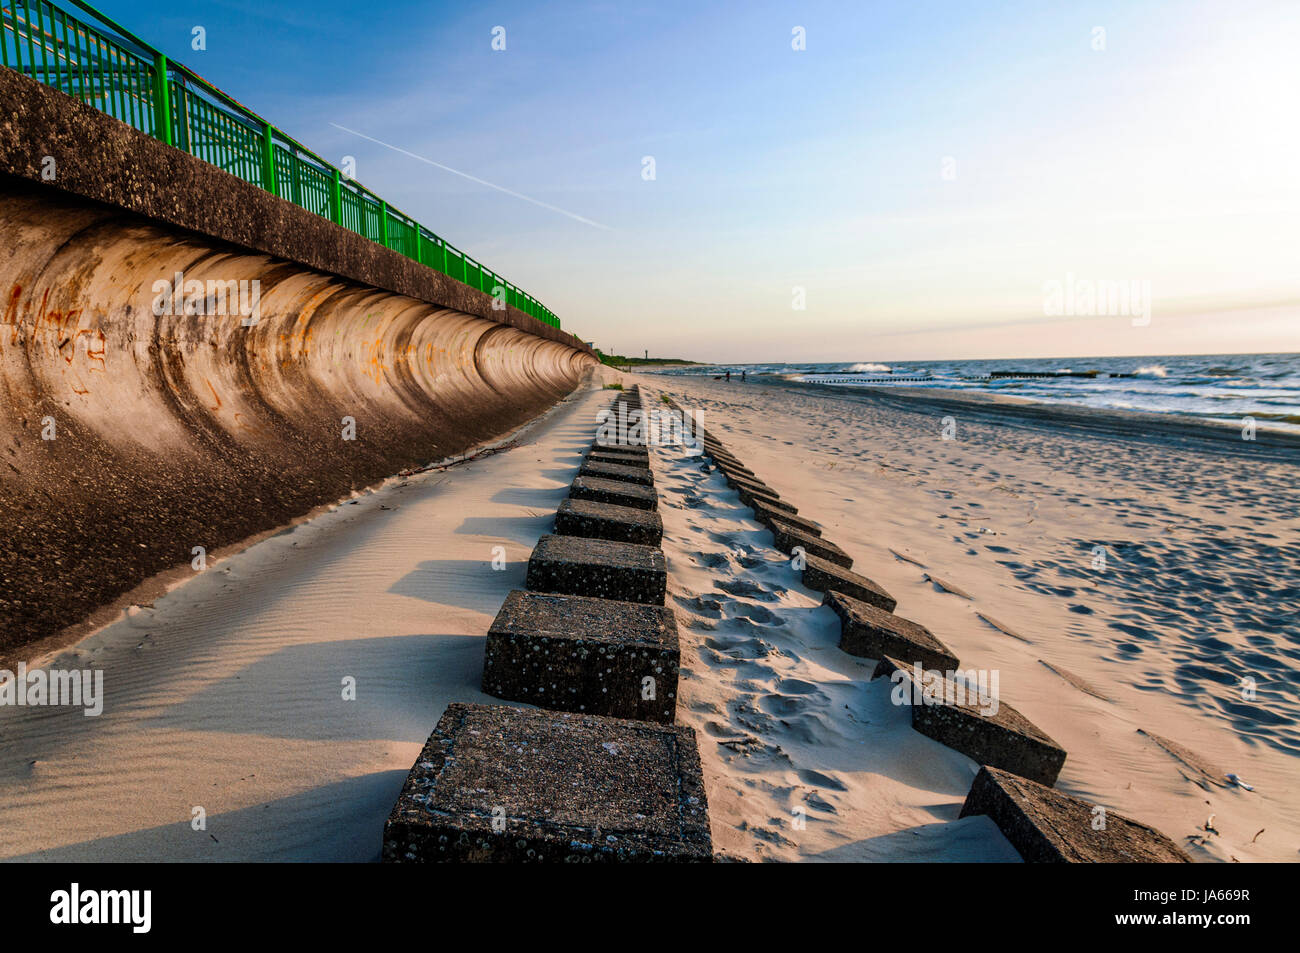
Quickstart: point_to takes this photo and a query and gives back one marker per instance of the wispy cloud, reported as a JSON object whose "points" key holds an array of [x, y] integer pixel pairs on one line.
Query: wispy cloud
{"points": [[474, 178]]}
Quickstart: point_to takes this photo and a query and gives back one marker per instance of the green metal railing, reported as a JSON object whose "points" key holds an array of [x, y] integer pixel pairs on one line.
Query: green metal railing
{"points": [[106, 66]]}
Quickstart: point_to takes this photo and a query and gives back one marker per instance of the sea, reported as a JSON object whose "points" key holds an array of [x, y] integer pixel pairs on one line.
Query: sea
{"points": [[1226, 388]]}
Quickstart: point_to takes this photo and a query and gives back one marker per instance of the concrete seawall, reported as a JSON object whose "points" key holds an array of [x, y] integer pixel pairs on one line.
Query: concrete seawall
{"points": [[130, 438]]}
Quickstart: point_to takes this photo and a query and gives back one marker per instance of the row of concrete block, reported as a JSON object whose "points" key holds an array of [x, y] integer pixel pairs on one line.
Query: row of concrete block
{"points": [[599, 771], [1019, 762]]}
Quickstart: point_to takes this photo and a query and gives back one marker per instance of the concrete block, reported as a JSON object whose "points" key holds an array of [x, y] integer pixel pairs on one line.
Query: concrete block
{"points": [[786, 537], [735, 469], [511, 785], [614, 471], [617, 492], [753, 485], [598, 567], [827, 577], [767, 509], [1003, 738], [624, 524], [749, 490], [606, 456], [575, 653], [869, 632], [630, 456], [1047, 826], [721, 456]]}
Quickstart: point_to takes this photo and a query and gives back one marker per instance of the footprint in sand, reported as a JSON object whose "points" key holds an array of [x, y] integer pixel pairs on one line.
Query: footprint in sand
{"points": [[700, 604], [760, 614], [766, 834], [815, 801], [817, 779], [747, 589], [797, 686], [747, 648]]}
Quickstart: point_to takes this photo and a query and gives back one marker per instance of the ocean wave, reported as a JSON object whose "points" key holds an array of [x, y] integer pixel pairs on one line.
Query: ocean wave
{"points": [[862, 368], [1152, 370]]}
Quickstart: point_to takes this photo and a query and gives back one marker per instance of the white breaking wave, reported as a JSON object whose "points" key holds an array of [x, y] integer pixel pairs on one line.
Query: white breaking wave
{"points": [[1152, 370], [857, 368]]}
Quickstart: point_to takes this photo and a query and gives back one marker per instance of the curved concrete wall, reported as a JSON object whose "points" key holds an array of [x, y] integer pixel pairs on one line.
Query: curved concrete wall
{"points": [[186, 430]]}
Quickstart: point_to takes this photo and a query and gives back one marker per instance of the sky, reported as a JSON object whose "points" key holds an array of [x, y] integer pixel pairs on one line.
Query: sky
{"points": [[914, 183]]}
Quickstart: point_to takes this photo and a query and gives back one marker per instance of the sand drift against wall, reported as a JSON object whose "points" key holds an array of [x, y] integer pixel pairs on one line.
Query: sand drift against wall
{"points": [[130, 438]]}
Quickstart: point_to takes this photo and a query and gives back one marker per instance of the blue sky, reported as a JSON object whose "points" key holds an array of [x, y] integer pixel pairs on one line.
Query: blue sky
{"points": [[921, 170]]}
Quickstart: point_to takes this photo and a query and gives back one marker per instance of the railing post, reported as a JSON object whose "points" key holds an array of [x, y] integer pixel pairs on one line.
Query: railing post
{"points": [[336, 199], [268, 161], [383, 223], [162, 107]]}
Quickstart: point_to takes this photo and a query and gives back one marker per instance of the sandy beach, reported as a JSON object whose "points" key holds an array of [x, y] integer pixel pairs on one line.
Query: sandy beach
{"points": [[226, 693], [990, 539]]}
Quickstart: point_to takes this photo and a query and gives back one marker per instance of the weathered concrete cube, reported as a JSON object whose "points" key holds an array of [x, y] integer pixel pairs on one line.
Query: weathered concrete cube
{"points": [[869, 632], [751, 496], [623, 409], [758, 498], [735, 470], [738, 480], [1047, 826], [766, 510], [607, 456], [617, 492], [628, 456], [943, 709], [733, 476], [827, 577], [517, 785], [753, 485], [614, 471], [575, 653], [730, 466], [598, 567], [786, 537], [625, 524]]}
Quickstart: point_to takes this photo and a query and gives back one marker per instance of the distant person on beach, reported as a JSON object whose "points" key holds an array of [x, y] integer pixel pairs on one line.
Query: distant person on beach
{"points": [[728, 375], [742, 377]]}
